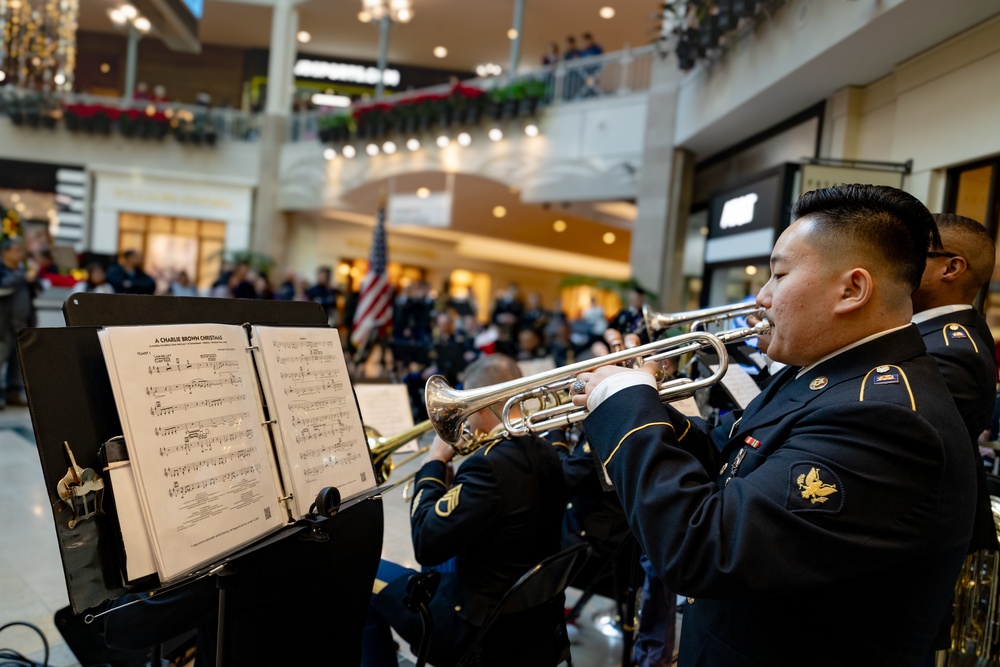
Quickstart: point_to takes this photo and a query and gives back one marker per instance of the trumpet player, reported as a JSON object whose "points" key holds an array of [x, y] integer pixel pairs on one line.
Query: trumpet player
{"points": [[828, 522], [497, 517]]}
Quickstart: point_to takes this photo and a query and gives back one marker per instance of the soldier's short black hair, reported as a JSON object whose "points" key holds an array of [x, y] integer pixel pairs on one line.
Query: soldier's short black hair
{"points": [[968, 238], [892, 227]]}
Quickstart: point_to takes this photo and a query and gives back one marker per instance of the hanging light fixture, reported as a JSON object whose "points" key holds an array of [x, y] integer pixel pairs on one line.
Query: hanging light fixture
{"points": [[398, 11], [38, 43]]}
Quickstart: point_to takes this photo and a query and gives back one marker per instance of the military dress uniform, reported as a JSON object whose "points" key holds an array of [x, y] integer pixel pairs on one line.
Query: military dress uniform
{"points": [[826, 526], [499, 518], [962, 345]]}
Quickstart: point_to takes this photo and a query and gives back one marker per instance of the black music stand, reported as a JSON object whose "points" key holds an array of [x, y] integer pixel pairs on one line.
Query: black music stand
{"points": [[276, 589]]}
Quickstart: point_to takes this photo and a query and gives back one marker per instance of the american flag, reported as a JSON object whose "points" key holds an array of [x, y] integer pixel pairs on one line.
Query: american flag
{"points": [[375, 297]]}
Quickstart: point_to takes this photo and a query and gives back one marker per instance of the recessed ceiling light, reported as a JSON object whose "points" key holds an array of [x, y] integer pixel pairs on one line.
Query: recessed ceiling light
{"points": [[59, 79], [499, 211], [423, 193], [404, 15], [303, 37], [349, 151], [142, 24], [105, 68], [609, 237], [512, 34], [607, 12], [559, 226], [372, 149], [464, 139], [440, 52], [329, 153], [413, 144], [531, 130], [751, 270], [496, 134], [443, 141], [389, 148], [364, 16]]}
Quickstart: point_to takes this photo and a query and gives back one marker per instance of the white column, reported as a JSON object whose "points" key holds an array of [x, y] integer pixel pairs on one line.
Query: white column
{"points": [[281, 61]]}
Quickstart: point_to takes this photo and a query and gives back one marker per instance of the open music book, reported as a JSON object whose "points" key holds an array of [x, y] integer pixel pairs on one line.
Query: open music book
{"points": [[231, 432]]}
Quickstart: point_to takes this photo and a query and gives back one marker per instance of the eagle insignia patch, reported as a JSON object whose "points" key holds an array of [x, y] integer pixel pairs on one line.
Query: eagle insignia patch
{"points": [[447, 503], [813, 486]]}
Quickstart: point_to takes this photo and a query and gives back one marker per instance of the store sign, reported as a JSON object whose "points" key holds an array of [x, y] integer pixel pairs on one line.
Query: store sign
{"points": [[738, 211], [431, 211], [333, 71]]}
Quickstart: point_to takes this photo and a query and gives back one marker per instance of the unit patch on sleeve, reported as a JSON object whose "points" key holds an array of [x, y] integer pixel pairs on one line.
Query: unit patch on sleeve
{"points": [[813, 486]]}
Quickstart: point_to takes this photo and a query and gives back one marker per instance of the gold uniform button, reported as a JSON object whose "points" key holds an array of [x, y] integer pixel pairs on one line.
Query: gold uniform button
{"points": [[690, 600], [458, 607], [583, 533], [882, 369], [954, 327]]}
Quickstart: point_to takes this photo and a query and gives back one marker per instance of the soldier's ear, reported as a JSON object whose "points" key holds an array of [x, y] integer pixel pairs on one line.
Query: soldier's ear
{"points": [[954, 268], [856, 289]]}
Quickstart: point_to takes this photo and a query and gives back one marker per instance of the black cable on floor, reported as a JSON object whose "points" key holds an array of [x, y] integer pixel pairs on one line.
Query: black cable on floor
{"points": [[9, 656]]}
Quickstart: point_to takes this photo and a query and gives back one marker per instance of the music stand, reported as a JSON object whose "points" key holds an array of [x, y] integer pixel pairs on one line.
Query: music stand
{"points": [[277, 588]]}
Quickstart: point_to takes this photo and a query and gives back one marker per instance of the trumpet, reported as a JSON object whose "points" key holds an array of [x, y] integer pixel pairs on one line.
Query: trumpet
{"points": [[449, 408], [381, 448], [658, 323]]}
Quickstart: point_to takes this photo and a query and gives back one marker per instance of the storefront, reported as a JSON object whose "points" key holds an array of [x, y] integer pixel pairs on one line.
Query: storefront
{"points": [[178, 224]]}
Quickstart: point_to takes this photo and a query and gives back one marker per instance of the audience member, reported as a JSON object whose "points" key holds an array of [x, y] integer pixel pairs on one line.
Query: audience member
{"points": [[325, 294], [96, 281], [590, 47], [571, 50], [127, 277], [18, 288], [182, 285]]}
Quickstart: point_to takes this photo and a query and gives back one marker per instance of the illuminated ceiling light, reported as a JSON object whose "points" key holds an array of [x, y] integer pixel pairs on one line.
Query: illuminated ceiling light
{"points": [[751, 270], [499, 211], [303, 37], [348, 151], [559, 226], [608, 238], [413, 144], [443, 141], [372, 149], [128, 11], [364, 16], [404, 15], [59, 79], [329, 153], [531, 130], [3, 75], [423, 193], [142, 24], [488, 69], [496, 134], [325, 100], [440, 52], [464, 139], [117, 16], [607, 12], [389, 148], [105, 68], [512, 34]]}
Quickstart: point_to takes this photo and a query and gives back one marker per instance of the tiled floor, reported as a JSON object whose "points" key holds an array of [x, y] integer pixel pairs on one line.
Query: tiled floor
{"points": [[31, 578]]}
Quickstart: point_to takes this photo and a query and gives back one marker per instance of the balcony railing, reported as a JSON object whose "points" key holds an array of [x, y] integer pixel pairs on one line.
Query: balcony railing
{"points": [[143, 119], [567, 82]]}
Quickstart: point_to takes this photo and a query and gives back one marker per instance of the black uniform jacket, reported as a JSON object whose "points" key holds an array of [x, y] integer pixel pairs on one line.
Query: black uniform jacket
{"points": [[962, 346], [826, 527], [499, 518]]}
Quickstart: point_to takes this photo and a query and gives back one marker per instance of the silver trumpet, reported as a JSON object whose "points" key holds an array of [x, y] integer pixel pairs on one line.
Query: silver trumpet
{"points": [[449, 408], [698, 320]]}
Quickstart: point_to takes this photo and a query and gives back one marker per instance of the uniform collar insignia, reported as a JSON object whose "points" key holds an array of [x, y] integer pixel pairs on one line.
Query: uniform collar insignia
{"points": [[818, 383]]}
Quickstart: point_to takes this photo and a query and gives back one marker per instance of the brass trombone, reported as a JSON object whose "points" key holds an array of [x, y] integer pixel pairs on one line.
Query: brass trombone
{"points": [[658, 323], [449, 408], [382, 448]]}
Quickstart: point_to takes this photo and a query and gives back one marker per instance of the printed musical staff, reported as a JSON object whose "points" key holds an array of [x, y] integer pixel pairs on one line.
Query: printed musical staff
{"points": [[338, 446], [330, 462], [179, 490], [306, 389], [338, 416], [188, 366], [192, 385], [314, 358], [214, 461], [159, 410], [219, 420], [314, 432], [196, 441], [300, 407], [306, 374], [298, 344]]}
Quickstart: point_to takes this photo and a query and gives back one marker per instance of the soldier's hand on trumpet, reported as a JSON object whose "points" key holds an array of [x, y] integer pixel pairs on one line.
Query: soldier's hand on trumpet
{"points": [[587, 382], [442, 451]]}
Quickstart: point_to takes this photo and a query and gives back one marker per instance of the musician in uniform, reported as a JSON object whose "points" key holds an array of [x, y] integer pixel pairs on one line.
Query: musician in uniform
{"points": [[828, 523], [498, 518]]}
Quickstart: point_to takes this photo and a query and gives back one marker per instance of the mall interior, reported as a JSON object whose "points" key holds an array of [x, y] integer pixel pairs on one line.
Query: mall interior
{"points": [[447, 180]]}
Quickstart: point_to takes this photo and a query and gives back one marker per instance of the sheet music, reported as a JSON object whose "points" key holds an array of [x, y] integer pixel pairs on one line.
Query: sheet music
{"points": [[687, 407], [319, 435], [739, 384], [386, 408], [192, 422], [139, 560]]}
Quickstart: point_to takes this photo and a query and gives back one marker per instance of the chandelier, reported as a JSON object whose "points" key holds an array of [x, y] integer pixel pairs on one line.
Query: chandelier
{"points": [[373, 11], [38, 43]]}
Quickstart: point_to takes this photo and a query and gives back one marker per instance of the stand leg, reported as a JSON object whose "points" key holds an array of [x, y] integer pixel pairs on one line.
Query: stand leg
{"points": [[223, 581], [628, 620]]}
